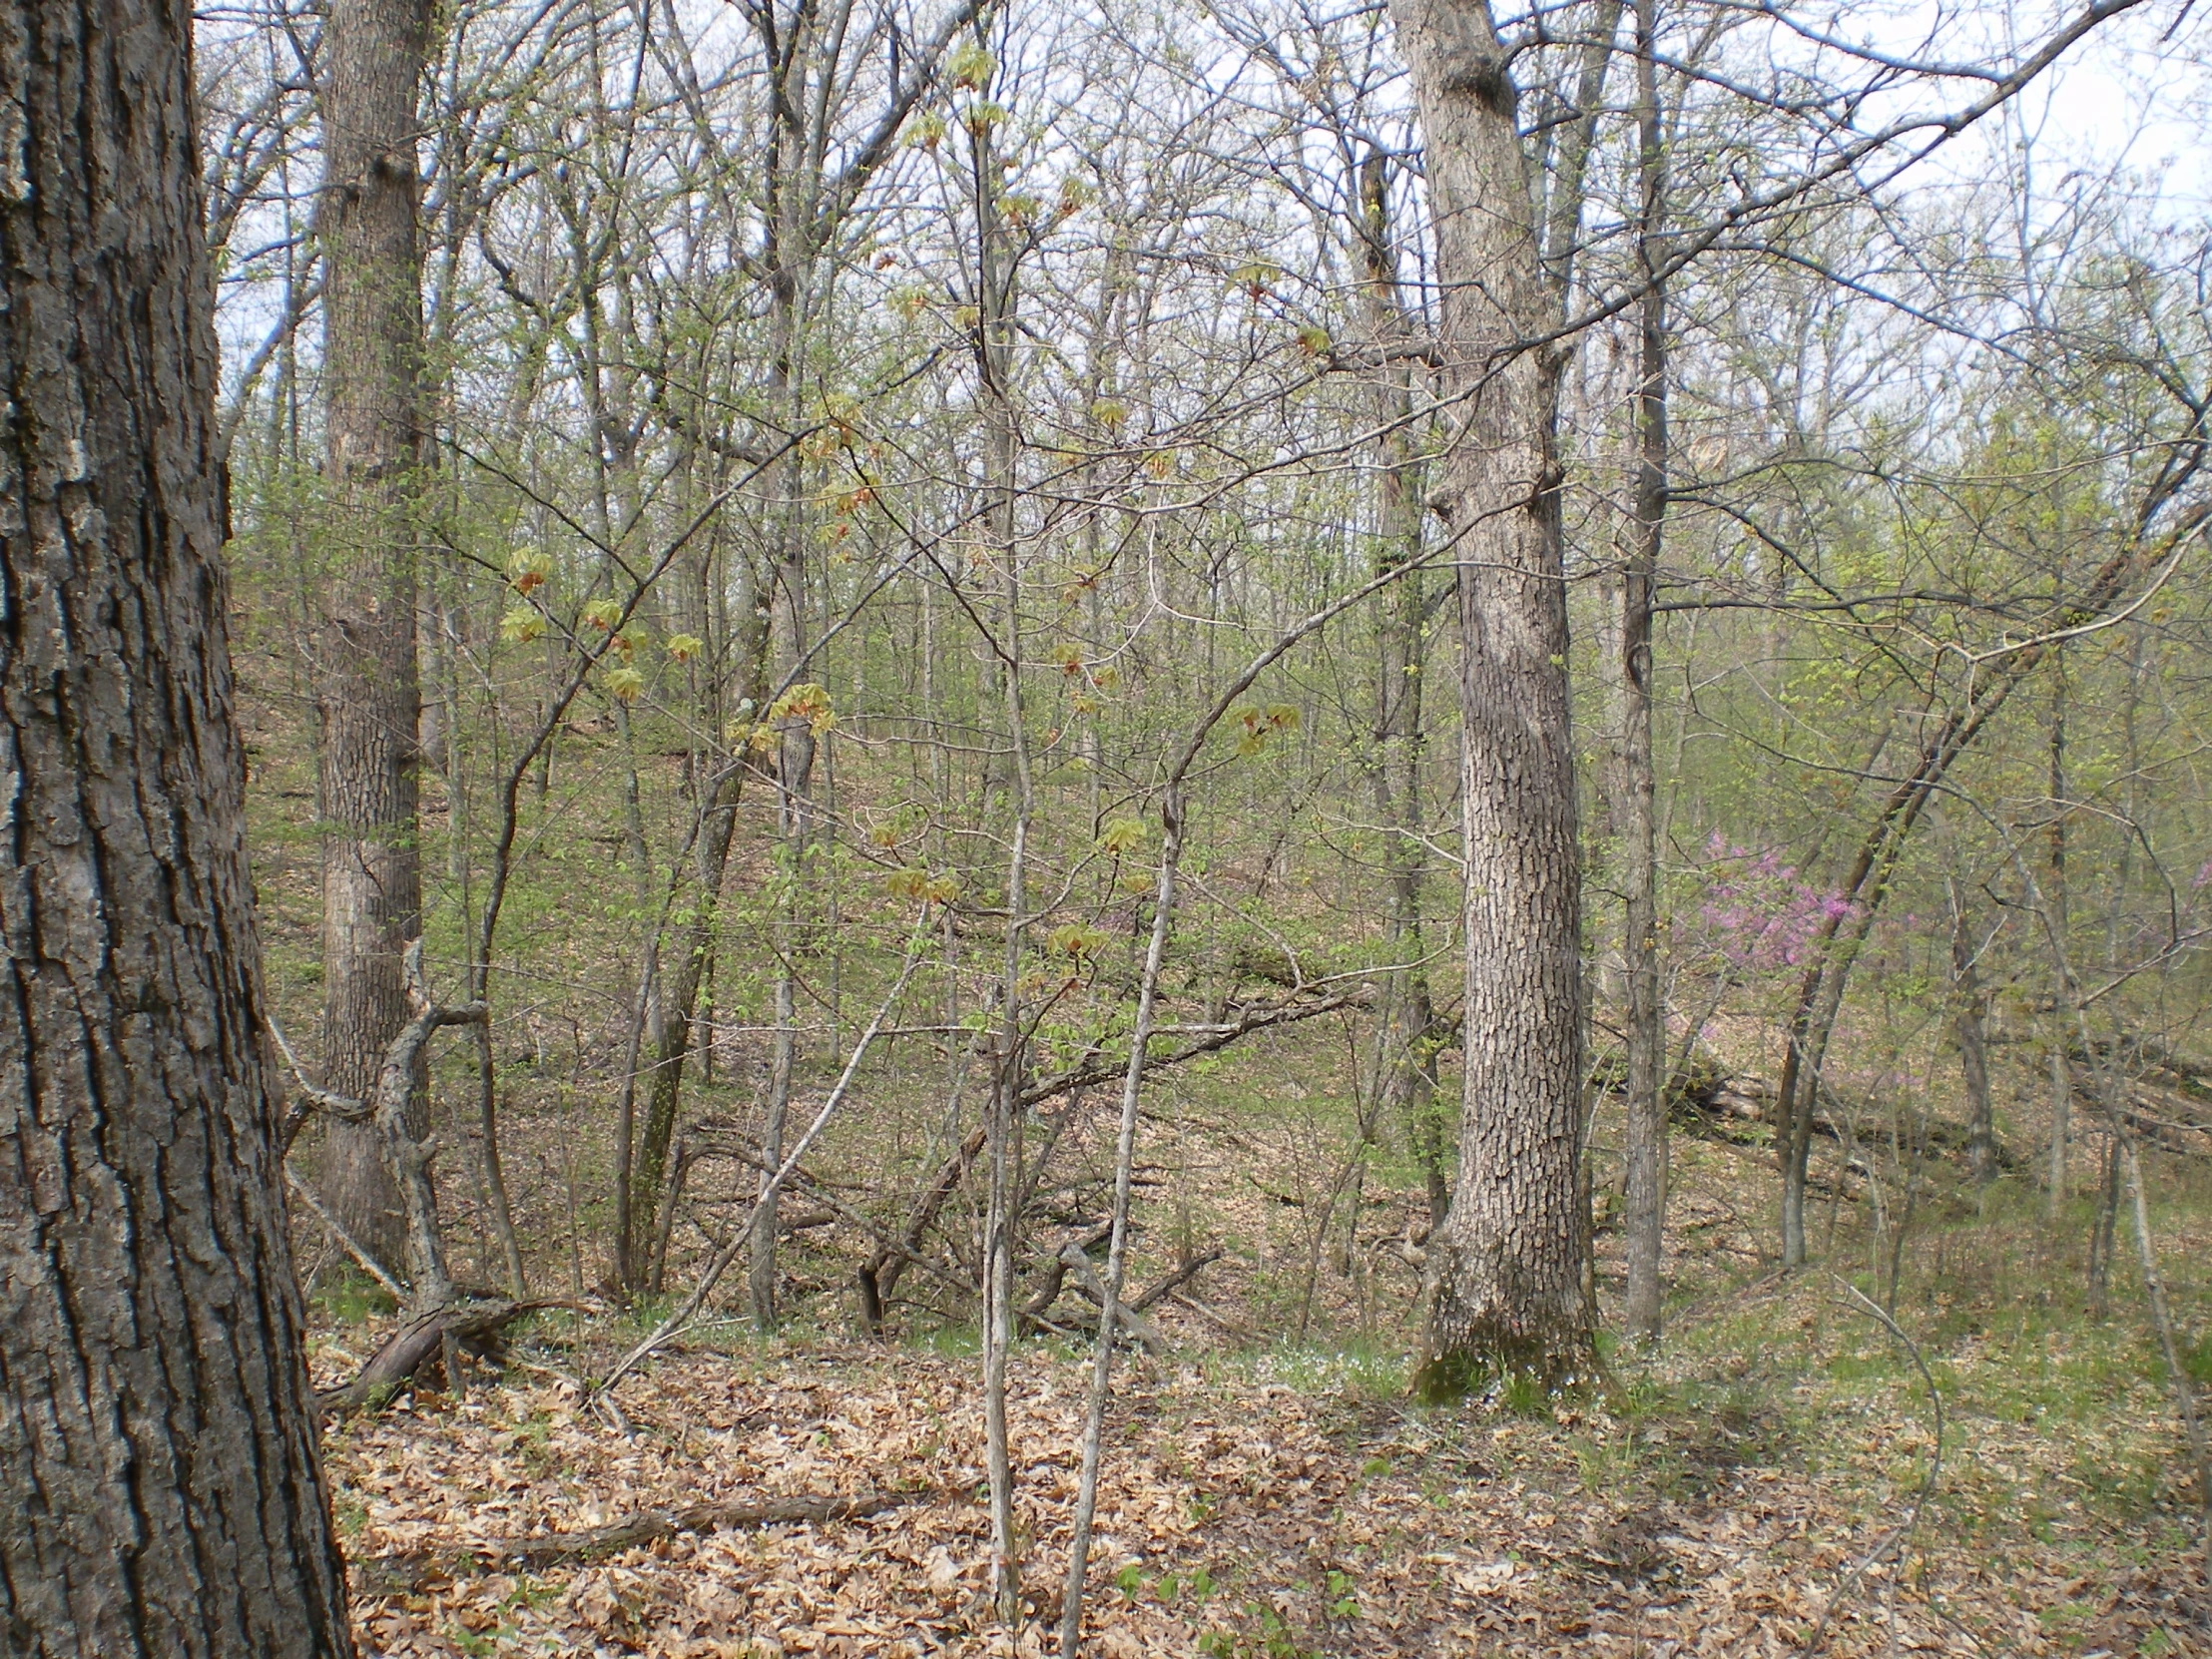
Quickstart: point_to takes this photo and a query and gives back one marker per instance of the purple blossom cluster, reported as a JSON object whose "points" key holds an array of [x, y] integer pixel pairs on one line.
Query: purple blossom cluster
{"points": [[1757, 913]]}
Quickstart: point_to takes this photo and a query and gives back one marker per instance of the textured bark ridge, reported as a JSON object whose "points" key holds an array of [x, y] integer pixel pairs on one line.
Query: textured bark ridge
{"points": [[1507, 1281], [159, 1473], [368, 694]]}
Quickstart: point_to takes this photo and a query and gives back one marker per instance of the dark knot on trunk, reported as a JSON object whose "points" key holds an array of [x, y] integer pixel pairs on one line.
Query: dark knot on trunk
{"points": [[1484, 80]]}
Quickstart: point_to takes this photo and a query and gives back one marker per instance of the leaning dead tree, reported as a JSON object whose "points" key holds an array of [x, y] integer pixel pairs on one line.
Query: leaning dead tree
{"points": [[441, 1320]]}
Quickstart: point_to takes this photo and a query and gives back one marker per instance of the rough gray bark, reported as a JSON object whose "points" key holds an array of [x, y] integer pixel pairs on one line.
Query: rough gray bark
{"points": [[1507, 1269], [158, 1468], [367, 694], [1644, 1212]]}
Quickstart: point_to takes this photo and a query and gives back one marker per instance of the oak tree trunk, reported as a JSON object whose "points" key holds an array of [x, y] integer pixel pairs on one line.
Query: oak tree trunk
{"points": [[367, 694], [1506, 1274], [160, 1476]]}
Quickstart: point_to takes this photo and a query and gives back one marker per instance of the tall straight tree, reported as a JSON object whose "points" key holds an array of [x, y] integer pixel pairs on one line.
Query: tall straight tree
{"points": [[158, 1440], [1636, 807], [368, 695], [1408, 1078], [1506, 1269]]}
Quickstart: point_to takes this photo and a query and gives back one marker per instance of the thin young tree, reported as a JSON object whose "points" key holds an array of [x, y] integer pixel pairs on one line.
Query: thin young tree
{"points": [[1636, 811]]}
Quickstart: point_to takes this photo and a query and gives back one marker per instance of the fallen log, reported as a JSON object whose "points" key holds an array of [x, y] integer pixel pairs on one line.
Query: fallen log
{"points": [[414, 1571], [2163, 1116], [1718, 1103], [1074, 1258], [470, 1327], [1174, 1280], [2167, 1094]]}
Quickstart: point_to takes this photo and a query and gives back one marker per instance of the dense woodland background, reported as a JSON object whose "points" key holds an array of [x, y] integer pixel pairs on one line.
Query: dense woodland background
{"points": [[860, 449]]}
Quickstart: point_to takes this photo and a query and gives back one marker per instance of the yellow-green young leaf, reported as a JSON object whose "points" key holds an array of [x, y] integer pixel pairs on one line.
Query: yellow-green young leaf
{"points": [[1075, 940], [941, 889], [928, 131], [972, 67], [1122, 835], [808, 701], [529, 570], [1255, 278], [625, 682], [602, 614], [1283, 716], [521, 624], [1110, 413], [907, 883], [684, 647], [1314, 340]]}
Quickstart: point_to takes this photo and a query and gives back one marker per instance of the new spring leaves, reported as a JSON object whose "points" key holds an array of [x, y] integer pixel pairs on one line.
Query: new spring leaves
{"points": [[525, 620]]}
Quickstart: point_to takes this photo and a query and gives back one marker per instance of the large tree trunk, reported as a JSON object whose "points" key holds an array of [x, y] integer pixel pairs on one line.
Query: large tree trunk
{"points": [[1507, 1269], [367, 695], [158, 1442]]}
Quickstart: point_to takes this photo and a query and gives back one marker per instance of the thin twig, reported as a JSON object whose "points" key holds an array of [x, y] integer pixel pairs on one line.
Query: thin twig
{"points": [[1904, 1528], [346, 1241], [314, 1097], [775, 1183]]}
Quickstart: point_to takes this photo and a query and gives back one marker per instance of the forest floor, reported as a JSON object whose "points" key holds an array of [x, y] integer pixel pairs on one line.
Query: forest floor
{"points": [[1755, 1489]]}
